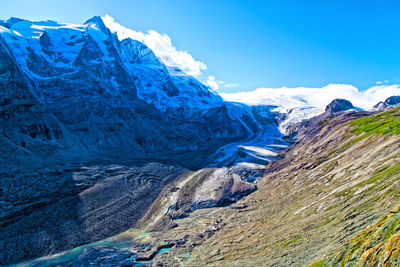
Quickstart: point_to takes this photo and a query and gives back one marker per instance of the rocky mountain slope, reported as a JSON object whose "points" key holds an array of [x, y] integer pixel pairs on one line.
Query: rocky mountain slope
{"points": [[327, 188], [92, 130], [339, 178], [377, 245], [99, 136], [388, 103]]}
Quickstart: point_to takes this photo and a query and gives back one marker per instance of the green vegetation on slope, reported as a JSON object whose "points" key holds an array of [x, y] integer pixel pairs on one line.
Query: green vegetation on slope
{"points": [[328, 187], [319, 263], [378, 245], [381, 123]]}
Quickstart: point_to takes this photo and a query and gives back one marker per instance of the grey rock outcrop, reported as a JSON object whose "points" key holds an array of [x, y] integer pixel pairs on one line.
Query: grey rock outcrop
{"points": [[338, 105], [388, 103], [92, 129]]}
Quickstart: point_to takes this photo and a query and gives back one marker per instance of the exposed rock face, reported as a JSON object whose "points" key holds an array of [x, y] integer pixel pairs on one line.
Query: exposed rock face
{"points": [[205, 188], [75, 101], [328, 186], [94, 129], [388, 103], [338, 105], [309, 127], [331, 184]]}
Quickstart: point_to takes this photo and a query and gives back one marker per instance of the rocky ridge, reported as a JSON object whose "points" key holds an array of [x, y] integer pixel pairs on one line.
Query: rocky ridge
{"points": [[95, 128], [338, 105], [388, 103], [120, 128], [340, 177]]}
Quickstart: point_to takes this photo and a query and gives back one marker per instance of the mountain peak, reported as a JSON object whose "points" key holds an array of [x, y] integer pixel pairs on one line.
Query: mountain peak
{"points": [[9, 22], [339, 105], [133, 51], [393, 100], [388, 103], [98, 21]]}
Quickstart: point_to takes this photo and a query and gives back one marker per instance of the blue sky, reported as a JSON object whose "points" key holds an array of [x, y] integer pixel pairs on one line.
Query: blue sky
{"points": [[257, 43]]}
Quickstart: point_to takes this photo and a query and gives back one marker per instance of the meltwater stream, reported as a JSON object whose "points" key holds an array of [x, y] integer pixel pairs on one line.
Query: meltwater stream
{"points": [[246, 160]]}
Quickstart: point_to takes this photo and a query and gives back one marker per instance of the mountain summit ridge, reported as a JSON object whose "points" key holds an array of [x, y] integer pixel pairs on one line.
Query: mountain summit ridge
{"points": [[95, 131], [87, 117]]}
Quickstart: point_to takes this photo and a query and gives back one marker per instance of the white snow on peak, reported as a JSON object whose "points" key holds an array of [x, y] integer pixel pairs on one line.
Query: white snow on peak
{"points": [[162, 46], [135, 52], [295, 107], [315, 97], [4, 29], [63, 41], [60, 44], [99, 36], [302, 103], [29, 29]]}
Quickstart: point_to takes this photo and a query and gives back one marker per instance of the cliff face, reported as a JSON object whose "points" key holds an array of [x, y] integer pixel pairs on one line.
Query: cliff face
{"points": [[112, 98], [92, 129], [340, 177], [99, 136]]}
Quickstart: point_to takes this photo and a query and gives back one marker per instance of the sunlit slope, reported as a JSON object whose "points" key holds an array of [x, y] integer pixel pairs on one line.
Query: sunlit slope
{"points": [[341, 177], [378, 245], [328, 187]]}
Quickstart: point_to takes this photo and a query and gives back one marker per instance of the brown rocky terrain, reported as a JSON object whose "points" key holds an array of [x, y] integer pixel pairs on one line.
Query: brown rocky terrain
{"points": [[378, 245], [329, 186], [93, 128]]}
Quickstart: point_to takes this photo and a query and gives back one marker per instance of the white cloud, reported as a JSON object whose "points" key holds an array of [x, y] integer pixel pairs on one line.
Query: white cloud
{"points": [[317, 97], [382, 82], [231, 85], [216, 84], [213, 83], [161, 45]]}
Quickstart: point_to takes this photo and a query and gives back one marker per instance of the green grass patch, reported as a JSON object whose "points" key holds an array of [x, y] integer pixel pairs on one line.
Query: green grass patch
{"points": [[353, 141], [290, 241], [319, 263], [392, 227], [383, 173], [395, 192], [381, 123], [380, 176], [329, 166]]}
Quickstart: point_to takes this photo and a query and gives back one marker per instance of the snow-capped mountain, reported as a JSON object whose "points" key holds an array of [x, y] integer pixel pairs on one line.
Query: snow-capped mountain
{"points": [[388, 103], [289, 109], [177, 88], [103, 89], [93, 128], [75, 100]]}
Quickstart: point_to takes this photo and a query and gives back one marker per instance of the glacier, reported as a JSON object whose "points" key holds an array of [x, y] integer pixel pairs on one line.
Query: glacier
{"points": [[99, 135], [93, 128]]}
